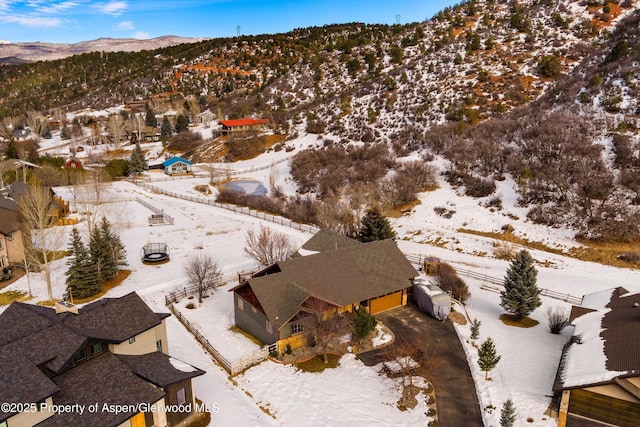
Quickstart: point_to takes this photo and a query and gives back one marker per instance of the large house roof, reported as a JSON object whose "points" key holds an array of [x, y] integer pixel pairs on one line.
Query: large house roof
{"points": [[606, 341], [342, 276], [243, 122], [35, 340]]}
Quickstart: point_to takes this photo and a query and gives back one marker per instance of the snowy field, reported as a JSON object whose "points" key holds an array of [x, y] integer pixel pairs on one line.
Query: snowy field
{"points": [[353, 394]]}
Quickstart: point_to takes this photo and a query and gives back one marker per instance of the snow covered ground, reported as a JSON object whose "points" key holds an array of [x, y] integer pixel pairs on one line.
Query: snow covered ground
{"points": [[352, 394]]}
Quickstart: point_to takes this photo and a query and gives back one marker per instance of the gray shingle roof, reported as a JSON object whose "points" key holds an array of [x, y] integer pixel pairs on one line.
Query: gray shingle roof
{"points": [[343, 276], [160, 369], [104, 380], [327, 240], [35, 340], [114, 319]]}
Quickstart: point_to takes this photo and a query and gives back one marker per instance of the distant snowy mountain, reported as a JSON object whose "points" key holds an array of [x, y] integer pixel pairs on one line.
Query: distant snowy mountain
{"points": [[38, 51]]}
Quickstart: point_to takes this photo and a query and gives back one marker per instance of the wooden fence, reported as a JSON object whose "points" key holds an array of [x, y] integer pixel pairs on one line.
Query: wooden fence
{"points": [[237, 209], [158, 217], [233, 367], [496, 284]]}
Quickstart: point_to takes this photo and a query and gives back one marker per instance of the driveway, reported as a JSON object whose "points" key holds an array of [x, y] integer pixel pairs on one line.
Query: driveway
{"points": [[444, 365]]}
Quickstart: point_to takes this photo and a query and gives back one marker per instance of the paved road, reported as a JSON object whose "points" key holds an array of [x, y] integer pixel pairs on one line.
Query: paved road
{"points": [[445, 363]]}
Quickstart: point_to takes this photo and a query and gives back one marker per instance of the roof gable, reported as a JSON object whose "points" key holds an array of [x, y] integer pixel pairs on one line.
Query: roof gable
{"points": [[243, 122], [326, 240], [159, 368], [174, 160]]}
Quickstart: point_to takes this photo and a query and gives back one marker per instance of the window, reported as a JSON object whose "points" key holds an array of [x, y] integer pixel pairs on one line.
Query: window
{"points": [[80, 356], [96, 348], [269, 327], [1, 261], [1, 243], [180, 395], [297, 328], [254, 309], [132, 340], [159, 345], [3, 424], [240, 304]]}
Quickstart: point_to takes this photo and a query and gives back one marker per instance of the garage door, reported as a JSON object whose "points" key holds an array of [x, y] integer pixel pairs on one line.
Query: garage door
{"points": [[387, 302]]}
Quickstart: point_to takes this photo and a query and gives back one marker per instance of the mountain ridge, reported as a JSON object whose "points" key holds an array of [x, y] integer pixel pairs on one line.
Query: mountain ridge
{"points": [[46, 51]]}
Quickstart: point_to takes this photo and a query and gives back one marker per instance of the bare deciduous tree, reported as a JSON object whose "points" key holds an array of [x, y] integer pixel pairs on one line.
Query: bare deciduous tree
{"points": [[36, 123], [268, 246], [325, 323], [90, 196], [203, 271], [116, 126], [39, 239], [404, 358]]}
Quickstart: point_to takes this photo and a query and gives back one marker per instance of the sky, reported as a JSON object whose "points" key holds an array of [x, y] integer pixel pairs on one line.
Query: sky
{"points": [[71, 21]]}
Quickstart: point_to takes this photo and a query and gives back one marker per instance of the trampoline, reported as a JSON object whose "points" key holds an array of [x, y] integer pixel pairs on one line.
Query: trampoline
{"points": [[154, 252]]}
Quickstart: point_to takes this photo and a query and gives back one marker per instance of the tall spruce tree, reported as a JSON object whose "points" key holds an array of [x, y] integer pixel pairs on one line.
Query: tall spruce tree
{"points": [[182, 123], [117, 252], [82, 276], [150, 117], [166, 130], [521, 294], [99, 253], [508, 414], [137, 161], [487, 357], [375, 226]]}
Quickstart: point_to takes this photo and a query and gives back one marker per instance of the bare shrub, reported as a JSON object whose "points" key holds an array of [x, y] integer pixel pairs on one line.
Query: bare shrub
{"points": [[267, 246], [450, 281], [185, 141], [633, 257], [505, 250], [479, 187], [557, 319]]}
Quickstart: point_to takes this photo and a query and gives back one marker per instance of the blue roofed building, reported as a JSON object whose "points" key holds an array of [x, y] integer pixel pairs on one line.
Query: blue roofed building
{"points": [[176, 165]]}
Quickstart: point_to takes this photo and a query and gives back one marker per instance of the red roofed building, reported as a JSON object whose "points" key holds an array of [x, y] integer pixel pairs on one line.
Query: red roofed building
{"points": [[243, 125]]}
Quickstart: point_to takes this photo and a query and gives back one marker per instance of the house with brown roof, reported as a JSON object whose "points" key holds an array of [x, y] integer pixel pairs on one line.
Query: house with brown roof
{"points": [[243, 125], [106, 362], [272, 304], [598, 378]]}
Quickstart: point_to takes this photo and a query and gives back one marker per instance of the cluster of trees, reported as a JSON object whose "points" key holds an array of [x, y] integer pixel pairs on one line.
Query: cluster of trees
{"points": [[560, 170], [93, 265]]}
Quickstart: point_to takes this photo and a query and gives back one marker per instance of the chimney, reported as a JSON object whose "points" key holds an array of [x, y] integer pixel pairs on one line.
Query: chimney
{"points": [[65, 307]]}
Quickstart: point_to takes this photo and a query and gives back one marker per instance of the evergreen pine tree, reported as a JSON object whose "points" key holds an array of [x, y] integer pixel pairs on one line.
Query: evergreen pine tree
{"points": [[82, 278], [182, 123], [117, 254], [374, 226], [508, 414], [475, 329], [166, 130], [99, 253], [150, 117], [521, 294], [487, 356], [137, 161]]}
